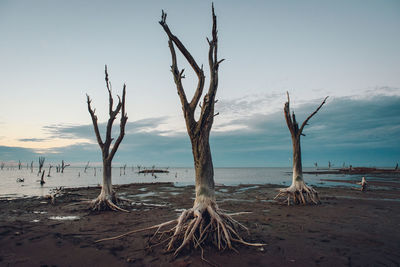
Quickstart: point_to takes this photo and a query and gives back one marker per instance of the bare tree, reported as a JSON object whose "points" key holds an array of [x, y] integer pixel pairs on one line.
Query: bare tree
{"points": [[204, 221], [50, 166], [299, 192], [63, 166], [86, 167], [107, 198], [41, 162], [42, 178]]}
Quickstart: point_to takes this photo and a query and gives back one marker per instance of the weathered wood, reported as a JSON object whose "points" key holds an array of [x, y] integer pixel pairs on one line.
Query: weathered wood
{"points": [[41, 162], [198, 130], [298, 186], [107, 198]]}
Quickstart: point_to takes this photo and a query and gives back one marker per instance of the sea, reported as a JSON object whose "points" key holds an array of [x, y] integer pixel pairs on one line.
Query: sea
{"points": [[19, 183]]}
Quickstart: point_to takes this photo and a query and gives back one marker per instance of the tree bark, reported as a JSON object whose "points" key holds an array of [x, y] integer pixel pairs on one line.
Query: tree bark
{"points": [[205, 220], [107, 198], [298, 192]]}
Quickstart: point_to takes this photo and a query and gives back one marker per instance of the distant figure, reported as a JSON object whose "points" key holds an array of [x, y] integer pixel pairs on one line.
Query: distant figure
{"points": [[176, 175], [363, 184], [397, 166]]}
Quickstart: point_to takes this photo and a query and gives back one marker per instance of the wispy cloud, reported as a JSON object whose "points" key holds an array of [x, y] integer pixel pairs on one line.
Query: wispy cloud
{"points": [[32, 139]]}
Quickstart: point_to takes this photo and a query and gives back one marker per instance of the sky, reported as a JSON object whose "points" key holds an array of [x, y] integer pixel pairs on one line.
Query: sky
{"points": [[53, 52]]}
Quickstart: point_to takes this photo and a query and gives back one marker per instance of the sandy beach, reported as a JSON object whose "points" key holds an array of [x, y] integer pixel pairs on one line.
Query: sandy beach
{"points": [[350, 228]]}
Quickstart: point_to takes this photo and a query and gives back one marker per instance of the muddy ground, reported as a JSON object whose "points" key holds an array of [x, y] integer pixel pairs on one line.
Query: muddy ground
{"points": [[350, 228]]}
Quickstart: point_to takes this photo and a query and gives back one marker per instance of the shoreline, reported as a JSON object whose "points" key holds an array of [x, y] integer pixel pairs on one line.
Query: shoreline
{"points": [[350, 227]]}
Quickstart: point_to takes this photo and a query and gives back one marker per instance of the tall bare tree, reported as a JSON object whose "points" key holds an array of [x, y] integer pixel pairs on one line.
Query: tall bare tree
{"points": [[107, 198], [41, 162], [63, 166], [204, 221], [298, 192]]}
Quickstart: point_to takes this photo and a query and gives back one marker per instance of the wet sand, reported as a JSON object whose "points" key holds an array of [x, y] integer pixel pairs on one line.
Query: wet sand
{"points": [[350, 228]]}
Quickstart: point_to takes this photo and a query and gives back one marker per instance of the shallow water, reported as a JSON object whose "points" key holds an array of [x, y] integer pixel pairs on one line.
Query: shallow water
{"points": [[76, 177]]}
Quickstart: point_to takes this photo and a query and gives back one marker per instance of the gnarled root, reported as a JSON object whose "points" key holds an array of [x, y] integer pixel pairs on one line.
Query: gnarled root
{"points": [[302, 194], [105, 202], [198, 226]]}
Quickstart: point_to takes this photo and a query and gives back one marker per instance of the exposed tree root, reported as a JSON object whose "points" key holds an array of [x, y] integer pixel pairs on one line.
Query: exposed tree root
{"points": [[200, 225], [300, 194], [104, 202]]}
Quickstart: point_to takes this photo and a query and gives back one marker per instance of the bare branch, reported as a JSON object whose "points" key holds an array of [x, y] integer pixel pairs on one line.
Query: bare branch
{"points": [[94, 120], [108, 84], [312, 114], [199, 71], [177, 76], [288, 118], [124, 118]]}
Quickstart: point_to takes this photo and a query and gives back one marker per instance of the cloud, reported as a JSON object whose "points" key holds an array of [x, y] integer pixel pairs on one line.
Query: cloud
{"points": [[32, 139], [355, 130]]}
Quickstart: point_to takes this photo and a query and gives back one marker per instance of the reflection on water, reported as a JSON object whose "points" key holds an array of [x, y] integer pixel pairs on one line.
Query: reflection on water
{"points": [[64, 218], [76, 177]]}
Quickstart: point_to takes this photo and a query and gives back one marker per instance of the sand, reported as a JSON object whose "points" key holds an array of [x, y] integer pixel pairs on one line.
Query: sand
{"points": [[350, 228]]}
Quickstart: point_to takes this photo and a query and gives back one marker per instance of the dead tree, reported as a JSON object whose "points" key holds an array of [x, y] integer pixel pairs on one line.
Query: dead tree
{"points": [[86, 167], [204, 222], [298, 192], [42, 179], [50, 166], [63, 166], [41, 162], [107, 198]]}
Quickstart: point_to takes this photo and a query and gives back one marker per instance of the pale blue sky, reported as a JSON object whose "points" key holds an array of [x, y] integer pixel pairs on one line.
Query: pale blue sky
{"points": [[53, 52]]}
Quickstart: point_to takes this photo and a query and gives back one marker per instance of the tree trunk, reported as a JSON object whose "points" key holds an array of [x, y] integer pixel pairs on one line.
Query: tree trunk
{"points": [[297, 165], [205, 187], [106, 189]]}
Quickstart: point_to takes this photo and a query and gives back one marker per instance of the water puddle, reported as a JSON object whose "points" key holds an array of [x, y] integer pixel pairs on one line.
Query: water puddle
{"points": [[371, 198], [236, 200], [39, 212], [149, 204], [64, 218], [148, 194], [247, 188], [223, 190]]}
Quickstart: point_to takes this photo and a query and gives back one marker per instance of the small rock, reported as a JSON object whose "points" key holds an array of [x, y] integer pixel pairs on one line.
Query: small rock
{"points": [[130, 260]]}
